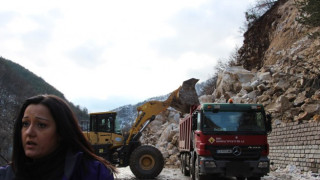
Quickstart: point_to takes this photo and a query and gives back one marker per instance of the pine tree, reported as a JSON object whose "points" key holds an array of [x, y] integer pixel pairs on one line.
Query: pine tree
{"points": [[309, 12]]}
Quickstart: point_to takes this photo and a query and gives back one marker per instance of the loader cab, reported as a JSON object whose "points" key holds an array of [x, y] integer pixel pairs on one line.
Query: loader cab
{"points": [[104, 122]]}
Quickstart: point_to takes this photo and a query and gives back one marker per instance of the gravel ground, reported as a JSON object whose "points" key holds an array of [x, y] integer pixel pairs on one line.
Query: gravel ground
{"points": [[167, 173], [289, 173]]}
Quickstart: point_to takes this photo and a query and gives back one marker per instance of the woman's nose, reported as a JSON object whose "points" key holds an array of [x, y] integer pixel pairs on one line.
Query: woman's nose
{"points": [[30, 130]]}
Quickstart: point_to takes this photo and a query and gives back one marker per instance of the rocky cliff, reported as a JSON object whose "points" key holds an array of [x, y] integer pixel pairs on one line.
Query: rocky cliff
{"points": [[280, 70]]}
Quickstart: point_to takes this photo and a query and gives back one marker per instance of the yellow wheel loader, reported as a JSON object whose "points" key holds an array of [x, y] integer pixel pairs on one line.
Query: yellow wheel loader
{"points": [[145, 161]]}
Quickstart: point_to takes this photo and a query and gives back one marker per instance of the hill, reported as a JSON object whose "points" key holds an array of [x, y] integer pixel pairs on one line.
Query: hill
{"points": [[17, 84]]}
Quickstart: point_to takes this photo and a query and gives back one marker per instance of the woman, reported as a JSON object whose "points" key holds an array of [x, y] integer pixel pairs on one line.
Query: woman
{"points": [[48, 144]]}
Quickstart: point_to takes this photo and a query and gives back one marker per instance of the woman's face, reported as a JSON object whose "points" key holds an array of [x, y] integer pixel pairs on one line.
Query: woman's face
{"points": [[38, 133]]}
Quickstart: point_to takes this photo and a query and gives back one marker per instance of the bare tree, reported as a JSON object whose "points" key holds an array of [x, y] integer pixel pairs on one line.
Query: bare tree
{"points": [[256, 11]]}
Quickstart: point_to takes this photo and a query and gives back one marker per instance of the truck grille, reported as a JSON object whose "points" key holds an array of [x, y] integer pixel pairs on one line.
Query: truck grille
{"points": [[235, 152]]}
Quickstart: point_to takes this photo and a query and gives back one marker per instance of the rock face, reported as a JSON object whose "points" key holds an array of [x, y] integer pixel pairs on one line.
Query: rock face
{"points": [[282, 63]]}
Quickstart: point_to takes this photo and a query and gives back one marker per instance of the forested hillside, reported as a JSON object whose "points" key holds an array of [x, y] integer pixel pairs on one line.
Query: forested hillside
{"points": [[17, 84]]}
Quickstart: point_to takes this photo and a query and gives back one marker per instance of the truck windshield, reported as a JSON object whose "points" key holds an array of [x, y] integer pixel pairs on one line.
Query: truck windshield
{"points": [[233, 121]]}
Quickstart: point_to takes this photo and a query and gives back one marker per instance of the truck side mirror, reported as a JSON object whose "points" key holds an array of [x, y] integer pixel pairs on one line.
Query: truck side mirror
{"points": [[269, 123]]}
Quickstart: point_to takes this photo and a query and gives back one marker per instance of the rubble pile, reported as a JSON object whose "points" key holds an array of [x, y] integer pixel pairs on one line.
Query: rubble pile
{"points": [[288, 95], [163, 133]]}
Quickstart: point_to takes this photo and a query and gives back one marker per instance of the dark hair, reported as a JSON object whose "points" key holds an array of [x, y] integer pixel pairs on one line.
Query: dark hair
{"points": [[67, 125]]}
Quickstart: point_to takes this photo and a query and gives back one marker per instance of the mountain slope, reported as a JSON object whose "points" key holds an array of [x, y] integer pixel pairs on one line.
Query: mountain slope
{"points": [[16, 85]]}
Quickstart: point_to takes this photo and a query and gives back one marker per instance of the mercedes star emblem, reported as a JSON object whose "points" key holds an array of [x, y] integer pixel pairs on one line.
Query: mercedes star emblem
{"points": [[236, 151]]}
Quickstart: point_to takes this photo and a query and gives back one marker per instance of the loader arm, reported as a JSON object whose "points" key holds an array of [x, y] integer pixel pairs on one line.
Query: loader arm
{"points": [[148, 111], [180, 99]]}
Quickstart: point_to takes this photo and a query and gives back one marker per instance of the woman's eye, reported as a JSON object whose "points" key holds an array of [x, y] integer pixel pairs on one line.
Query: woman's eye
{"points": [[41, 125], [25, 124]]}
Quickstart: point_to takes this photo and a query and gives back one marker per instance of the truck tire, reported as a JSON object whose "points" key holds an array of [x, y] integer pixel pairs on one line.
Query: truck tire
{"points": [[146, 162], [186, 170], [183, 165], [192, 169], [197, 176]]}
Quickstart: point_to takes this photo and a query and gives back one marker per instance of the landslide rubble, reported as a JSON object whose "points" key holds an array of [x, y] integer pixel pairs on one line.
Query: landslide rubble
{"points": [[163, 133]]}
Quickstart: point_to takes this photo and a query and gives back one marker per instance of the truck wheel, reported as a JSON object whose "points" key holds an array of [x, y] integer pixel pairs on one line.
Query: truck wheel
{"points": [[192, 168], [182, 164], [197, 171], [186, 171], [146, 162]]}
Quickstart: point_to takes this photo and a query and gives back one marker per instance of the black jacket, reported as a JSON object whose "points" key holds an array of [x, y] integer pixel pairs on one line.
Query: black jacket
{"points": [[73, 169]]}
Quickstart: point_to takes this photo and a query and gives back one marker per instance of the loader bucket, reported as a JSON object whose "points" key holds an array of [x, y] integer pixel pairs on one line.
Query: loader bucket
{"points": [[186, 97]]}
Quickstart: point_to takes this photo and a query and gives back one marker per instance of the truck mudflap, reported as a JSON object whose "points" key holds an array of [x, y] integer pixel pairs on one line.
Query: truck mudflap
{"points": [[246, 168]]}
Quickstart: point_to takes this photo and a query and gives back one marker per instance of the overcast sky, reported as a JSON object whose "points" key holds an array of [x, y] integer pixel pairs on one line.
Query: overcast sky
{"points": [[102, 54]]}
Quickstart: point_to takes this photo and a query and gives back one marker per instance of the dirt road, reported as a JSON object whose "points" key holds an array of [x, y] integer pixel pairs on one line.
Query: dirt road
{"points": [[175, 174]]}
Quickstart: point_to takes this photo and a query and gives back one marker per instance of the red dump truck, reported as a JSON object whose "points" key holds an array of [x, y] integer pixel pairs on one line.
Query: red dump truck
{"points": [[225, 140]]}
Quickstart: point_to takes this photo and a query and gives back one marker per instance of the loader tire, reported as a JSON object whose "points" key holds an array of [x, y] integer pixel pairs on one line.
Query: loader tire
{"points": [[146, 162]]}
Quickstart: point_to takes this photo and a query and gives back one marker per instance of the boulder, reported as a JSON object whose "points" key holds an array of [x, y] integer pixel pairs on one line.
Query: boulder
{"points": [[261, 87], [282, 104], [154, 126], [175, 139], [300, 99], [264, 76], [316, 96], [248, 87], [232, 80], [311, 108], [169, 132], [302, 116], [206, 99]]}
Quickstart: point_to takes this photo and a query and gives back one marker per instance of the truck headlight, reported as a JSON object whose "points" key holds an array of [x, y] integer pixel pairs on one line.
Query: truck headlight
{"points": [[263, 164], [210, 164]]}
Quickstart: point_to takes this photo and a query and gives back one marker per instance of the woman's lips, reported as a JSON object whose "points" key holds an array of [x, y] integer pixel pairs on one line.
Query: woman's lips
{"points": [[30, 144]]}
